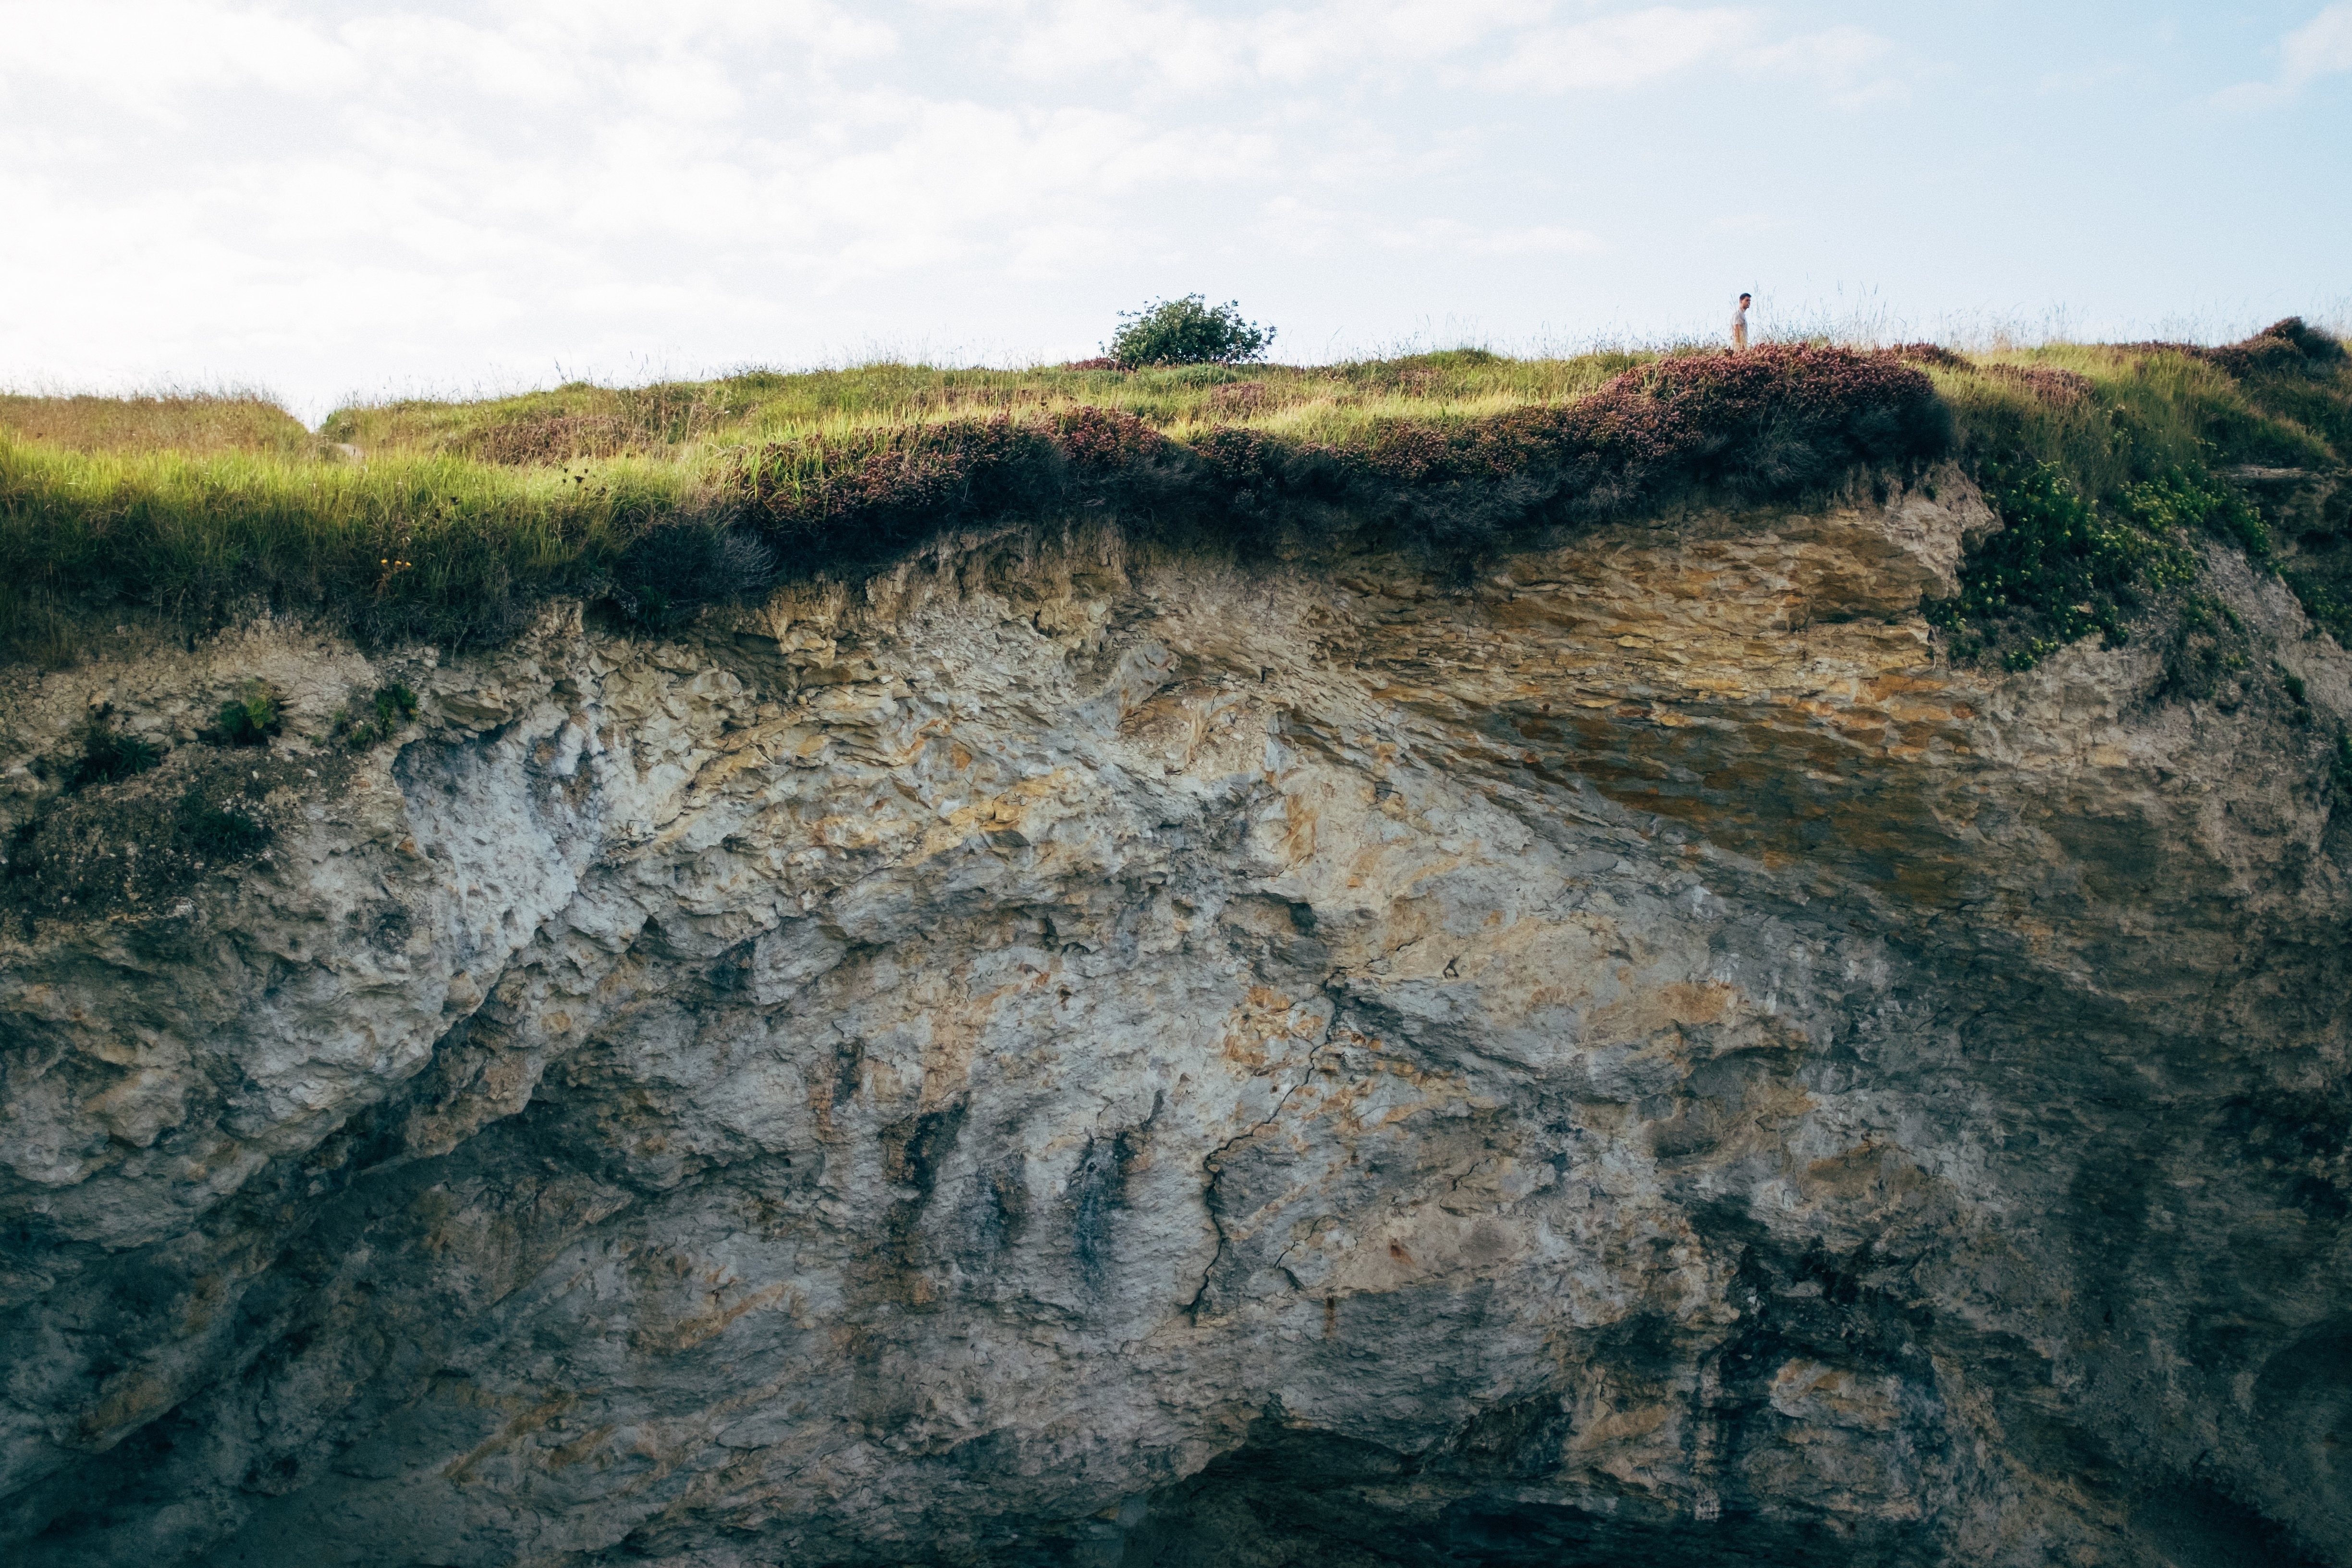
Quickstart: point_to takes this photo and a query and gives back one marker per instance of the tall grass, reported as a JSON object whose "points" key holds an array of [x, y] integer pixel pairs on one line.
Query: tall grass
{"points": [[192, 423], [423, 546]]}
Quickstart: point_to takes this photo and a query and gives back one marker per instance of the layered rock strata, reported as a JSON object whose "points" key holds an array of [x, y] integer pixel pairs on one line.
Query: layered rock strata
{"points": [[1054, 1056]]}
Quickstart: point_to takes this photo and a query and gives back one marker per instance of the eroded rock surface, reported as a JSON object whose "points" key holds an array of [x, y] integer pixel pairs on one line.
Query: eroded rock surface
{"points": [[1050, 1058]]}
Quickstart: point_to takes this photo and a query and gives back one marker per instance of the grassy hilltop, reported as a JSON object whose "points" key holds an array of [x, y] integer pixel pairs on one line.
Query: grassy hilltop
{"points": [[449, 519]]}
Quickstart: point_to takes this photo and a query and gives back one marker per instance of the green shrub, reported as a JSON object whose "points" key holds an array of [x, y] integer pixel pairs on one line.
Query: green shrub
{"points": [[2182, 499], [108, 756], [2208, 654], [250, 719], [2060, 569], [1187, 331], [376, 720], [2327, 612], [2298, 695]]}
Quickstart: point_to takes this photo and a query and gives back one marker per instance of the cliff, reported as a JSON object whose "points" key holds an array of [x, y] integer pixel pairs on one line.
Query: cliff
{"points": [[1067, 1051]]}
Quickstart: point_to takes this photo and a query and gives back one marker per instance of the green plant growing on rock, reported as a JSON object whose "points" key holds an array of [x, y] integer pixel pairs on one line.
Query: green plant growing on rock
{"points": [[662, 500], [2208, 653], [2329, 612], [249, 718], [2182, 499], [108, 755], [2062, 568], [376, 720], [2297, 695], [1187, 331]]}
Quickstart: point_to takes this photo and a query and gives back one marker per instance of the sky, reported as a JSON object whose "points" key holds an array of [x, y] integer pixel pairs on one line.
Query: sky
{"points": [[362, 200]]}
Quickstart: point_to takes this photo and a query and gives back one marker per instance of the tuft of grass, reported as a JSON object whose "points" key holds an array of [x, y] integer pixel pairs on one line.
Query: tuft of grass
{"points": [[377, 719], [2318, 596], [2208, 653], [248, 719], [428, 547], [109, 756], [2298, 695]]}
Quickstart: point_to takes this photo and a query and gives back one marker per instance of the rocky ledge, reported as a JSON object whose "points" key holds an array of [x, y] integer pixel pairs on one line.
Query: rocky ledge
{"points": [[1050, 1056]]}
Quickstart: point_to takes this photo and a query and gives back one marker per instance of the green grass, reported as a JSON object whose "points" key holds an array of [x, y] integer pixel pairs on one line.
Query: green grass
{"points": [[399, 546], [457, 517], [188, 423], [2108, 462], [685, 422]]}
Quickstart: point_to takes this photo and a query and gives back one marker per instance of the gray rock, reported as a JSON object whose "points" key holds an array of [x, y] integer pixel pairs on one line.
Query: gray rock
{"points": [[1051, 1057]]}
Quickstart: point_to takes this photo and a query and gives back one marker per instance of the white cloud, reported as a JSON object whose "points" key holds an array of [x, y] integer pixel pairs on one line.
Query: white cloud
{"points": [[2320, 48], [320, 191], [1625, 50], [1188, 50], [1180, 48], [137, 54], [143, 53], [1635, 49], [1450, 236]]}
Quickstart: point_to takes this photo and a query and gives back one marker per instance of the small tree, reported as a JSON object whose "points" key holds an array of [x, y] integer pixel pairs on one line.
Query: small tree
{"points": [[1189, 331]]}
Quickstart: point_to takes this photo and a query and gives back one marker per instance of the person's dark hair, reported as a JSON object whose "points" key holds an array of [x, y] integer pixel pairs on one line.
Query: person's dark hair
{"points": [[1746, 296]]}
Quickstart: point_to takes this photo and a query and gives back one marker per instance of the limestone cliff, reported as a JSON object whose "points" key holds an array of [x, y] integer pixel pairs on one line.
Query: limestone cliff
{"points": [[1053, 1056]]}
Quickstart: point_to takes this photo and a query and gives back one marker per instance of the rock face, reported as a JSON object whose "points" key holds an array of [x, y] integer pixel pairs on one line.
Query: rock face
{"points": [[1048, 1057]]}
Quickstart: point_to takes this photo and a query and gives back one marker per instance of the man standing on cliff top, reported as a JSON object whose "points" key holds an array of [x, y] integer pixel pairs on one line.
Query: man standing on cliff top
{"points": [[1740, 326]]}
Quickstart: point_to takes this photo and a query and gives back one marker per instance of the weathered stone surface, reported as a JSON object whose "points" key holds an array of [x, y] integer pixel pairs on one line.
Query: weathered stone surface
{"points": [[1055, 1058]]}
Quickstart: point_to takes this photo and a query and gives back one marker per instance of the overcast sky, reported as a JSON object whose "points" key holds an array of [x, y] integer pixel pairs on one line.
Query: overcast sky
{"points": [[363, 199]]}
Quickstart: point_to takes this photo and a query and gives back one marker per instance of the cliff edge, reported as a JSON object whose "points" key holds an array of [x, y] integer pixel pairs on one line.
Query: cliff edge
{"points": [[1068, 1052]]}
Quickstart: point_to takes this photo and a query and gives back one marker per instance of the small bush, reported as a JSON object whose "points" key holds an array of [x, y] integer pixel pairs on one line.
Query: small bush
{"points": [[2298, 695], [2209, 654], [250, 719], [108, 756], [2182, 499], [376, 720], [1935, 354], [1187, 331], [2061, 569], [2319, 600], [671, 570], [2288, 347]]}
